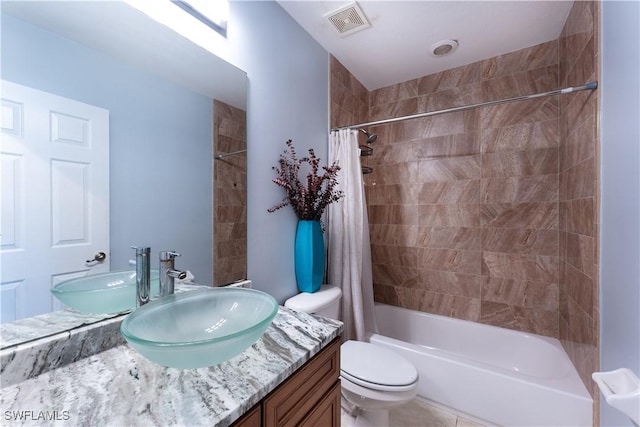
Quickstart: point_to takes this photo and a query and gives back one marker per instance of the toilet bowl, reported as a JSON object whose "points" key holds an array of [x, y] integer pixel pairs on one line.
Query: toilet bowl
{"points": [[374, 379]]}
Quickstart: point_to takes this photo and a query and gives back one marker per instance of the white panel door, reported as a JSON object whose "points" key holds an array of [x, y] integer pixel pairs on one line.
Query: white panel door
{"points": [[55, 196]]}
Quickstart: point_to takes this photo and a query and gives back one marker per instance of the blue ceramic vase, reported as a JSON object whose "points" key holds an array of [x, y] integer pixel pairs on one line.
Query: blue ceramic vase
{"points": [[309, 256]]}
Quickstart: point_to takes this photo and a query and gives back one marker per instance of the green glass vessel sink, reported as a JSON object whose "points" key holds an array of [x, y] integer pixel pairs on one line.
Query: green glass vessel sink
{"points": [[199, 328], [105, 293]]}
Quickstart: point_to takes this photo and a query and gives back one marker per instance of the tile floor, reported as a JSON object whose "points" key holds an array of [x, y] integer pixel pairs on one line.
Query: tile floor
{"points": [[419, 413]]}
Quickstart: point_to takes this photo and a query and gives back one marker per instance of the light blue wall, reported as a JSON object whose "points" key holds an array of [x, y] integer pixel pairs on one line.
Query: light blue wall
{"points": [[161, 149], [288, 96], [620, 229]]}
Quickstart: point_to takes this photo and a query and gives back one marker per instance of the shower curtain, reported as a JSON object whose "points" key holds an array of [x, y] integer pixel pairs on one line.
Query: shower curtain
{"points": [[349, 250]]}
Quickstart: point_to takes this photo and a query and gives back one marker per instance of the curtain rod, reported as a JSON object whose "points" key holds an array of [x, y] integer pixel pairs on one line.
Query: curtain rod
{"points": [[223, 155], [588, 86]]}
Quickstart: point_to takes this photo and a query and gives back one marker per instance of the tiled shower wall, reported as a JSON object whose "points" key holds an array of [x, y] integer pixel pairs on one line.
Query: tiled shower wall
{"points": [[490, 214], [229, 195], [579, 196], [349, 98]]}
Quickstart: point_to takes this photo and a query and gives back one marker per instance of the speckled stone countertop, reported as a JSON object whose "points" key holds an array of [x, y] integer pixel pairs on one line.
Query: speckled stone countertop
{"points": [[45, 325], [119, 387]]}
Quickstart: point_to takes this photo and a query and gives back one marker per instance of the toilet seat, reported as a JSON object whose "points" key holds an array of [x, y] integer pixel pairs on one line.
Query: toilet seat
{"points": [[376, 367]]}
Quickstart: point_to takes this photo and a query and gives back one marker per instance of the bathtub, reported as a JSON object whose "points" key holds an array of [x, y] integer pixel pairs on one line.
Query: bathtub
{"points": [[490, 374]]}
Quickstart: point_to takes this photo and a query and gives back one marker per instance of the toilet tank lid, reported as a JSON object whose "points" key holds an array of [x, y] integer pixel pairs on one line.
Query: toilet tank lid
{"points": [[312, 303]]}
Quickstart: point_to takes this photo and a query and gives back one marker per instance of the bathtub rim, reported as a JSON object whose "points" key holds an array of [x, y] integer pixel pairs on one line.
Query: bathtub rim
{"points": [[569, 382]]}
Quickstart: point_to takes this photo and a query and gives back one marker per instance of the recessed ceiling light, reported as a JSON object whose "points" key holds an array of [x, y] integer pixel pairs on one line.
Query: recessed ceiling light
{"points": [[444, 47]]}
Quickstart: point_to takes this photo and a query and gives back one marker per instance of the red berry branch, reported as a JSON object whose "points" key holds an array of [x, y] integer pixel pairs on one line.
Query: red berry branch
{"points": [[309, 198]]}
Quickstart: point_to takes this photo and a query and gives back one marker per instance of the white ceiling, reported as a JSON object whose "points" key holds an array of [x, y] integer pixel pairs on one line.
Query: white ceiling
{"points": [[396, 47]]}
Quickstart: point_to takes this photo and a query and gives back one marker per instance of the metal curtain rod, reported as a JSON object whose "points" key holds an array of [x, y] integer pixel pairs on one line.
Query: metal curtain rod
{"points": [[223, 155], [588, 86]]}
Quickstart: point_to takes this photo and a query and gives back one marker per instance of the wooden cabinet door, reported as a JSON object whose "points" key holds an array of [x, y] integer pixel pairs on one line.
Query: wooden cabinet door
{"points": [[327, 411], [253, 418], [294, 399]]}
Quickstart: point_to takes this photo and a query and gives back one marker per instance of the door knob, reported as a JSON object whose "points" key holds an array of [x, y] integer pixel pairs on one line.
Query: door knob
{"points": [[99, 257]]}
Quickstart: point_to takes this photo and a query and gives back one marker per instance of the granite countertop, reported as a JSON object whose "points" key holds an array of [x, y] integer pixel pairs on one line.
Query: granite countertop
{"points": [[46, 325], [119, 387]]}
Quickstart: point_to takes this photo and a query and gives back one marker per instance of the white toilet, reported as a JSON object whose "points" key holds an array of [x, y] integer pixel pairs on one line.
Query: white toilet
{"points": [[374, 379]]}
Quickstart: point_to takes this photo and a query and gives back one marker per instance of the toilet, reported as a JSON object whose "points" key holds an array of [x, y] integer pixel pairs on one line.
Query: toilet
{"points": [[374, 379]]}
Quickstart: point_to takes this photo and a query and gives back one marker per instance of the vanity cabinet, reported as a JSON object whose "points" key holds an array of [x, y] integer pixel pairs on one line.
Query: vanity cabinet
{"points": [[252, 418], [309, 397]]}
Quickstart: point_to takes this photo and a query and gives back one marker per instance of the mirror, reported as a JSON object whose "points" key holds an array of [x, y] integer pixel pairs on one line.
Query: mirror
{"points": [[162, 93]]}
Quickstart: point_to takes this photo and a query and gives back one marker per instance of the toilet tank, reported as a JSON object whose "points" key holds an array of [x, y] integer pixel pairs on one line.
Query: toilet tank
{"points": [[325, 302]]}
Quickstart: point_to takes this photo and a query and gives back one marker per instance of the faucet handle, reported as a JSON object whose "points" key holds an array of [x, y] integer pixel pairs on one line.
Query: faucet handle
{"points": [[167, 255]]}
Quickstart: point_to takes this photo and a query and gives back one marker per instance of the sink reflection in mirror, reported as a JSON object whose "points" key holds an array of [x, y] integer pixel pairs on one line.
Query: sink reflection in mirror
{"points": [[113, 292], [199, 328]]}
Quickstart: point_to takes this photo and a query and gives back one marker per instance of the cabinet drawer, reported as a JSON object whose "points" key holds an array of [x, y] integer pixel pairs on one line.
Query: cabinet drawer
{"points": [[290, 403]]}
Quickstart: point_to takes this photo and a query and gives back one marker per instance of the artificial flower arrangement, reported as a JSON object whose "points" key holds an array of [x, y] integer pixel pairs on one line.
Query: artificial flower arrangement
{"points": [[308, 197]]}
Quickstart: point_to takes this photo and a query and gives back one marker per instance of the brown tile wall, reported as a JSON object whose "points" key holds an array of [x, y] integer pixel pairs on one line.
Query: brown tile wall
{"points": [[491, 214], [229, 195], [349, 98], [579, 192], [463, 207]]}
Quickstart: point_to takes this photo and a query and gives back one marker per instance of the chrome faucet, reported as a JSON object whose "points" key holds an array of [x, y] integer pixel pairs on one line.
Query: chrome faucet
{"points": [[143, 275], [168, 273]]}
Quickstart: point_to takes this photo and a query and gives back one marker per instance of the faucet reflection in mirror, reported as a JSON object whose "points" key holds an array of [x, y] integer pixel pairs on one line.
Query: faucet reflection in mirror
{"points": [[143, 272]]}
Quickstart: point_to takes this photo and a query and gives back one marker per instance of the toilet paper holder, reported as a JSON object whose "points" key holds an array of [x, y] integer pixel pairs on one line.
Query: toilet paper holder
{"points": [[621, 389]]}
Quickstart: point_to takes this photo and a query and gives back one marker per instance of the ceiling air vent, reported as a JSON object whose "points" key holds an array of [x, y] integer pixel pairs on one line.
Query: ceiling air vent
{"points": [[348, 20]]}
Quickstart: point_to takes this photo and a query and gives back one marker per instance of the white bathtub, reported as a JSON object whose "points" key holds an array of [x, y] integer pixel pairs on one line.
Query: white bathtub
{"points": [[492, 374]]}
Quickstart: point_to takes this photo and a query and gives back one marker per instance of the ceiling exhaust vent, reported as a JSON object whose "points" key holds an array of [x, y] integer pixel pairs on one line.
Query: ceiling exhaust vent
{"points": [[348, 20]]}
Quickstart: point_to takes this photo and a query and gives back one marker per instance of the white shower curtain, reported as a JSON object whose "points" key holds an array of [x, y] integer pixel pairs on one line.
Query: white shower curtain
{"points": [[349, 251]]}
